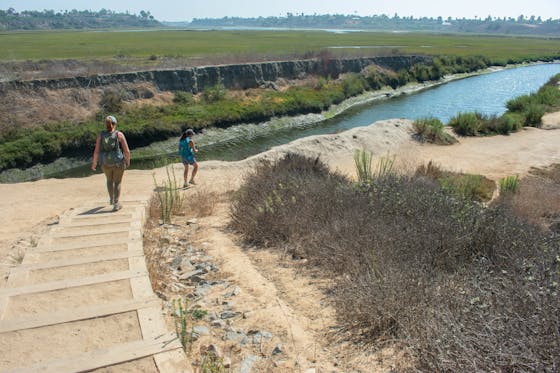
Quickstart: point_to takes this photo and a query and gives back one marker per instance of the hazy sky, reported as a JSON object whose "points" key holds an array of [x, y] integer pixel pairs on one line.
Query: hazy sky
{"points": [[185, 10]]}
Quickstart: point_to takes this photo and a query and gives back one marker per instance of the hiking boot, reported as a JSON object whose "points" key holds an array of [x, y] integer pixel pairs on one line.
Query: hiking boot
{"points": [[192, 182], [117, 206]]}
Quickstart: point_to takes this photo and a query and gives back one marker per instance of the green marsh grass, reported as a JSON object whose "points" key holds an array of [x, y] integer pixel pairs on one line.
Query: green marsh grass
{"points": [[144, 45]]}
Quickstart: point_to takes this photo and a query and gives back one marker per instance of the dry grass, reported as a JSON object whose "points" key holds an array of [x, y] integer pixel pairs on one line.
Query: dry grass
{"points": [[538, 197], [38, 107], [201, 203], [155, 251]]}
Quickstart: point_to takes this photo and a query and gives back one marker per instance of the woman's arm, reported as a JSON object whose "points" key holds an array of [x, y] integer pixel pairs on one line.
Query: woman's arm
{"points": [[96, 152], [126, 150]]}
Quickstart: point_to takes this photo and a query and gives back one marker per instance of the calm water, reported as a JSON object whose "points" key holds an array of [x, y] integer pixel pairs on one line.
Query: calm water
{"points": [[486, 94]]}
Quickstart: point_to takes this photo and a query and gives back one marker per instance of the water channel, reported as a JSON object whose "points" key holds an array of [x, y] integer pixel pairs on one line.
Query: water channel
{"points": [[485, 93]]}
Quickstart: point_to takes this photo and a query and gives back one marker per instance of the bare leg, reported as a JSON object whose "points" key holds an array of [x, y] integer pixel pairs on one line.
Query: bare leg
{"points": [[194, 171], [186, 174], [108, 171], [118, 173]]}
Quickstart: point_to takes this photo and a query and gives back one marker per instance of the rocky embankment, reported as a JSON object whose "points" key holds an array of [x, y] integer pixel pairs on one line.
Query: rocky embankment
{"points": [[241, 76]]}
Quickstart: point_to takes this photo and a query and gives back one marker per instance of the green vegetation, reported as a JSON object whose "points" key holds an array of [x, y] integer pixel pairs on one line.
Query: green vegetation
{"points": [[145, 45], [183, 323], [169, 197], [522, 111], [509, 184], [362, 162], [431, 130], [473, 187], [413, 267]]}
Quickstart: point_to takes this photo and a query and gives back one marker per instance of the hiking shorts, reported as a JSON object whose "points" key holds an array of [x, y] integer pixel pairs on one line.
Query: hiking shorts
{"points": [[188, 160]]}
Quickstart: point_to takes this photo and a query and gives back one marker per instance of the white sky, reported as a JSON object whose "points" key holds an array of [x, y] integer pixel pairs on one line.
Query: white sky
{"points": [[186, 10]]}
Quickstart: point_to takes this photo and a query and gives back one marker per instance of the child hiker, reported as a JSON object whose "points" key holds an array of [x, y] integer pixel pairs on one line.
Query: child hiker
{"points": [[186, 152]]}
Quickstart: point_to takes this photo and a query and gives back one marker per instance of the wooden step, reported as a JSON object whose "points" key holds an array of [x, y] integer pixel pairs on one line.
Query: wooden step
{"points": [[107, 356]]}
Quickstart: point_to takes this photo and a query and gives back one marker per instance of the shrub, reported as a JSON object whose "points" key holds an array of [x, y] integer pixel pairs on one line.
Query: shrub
{"points": [[431, 130], [510, 122], [264, 209], [466, 124], [111, 101], [181, 97], [549, 94], [214, 94], [459, 286], [353, 84], [533, 114], [472, 187], [519, 103]]}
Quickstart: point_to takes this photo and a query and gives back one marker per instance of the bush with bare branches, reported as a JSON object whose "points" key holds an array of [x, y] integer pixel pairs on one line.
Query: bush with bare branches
{"points": [[461, 287]]}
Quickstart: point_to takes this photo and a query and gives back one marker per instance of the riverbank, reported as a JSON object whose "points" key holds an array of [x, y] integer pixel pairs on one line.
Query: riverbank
{"points": [[215, 138], [29, 207]]}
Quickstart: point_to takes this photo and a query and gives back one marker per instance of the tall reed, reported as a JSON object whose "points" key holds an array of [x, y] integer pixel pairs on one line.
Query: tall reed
{"points": [[169, 196], [182, 327], [364, 170], [509, 184]]}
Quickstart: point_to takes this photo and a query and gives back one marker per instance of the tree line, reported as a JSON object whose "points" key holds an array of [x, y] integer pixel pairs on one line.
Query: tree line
{"points": [[10, 19], [527, 25]]}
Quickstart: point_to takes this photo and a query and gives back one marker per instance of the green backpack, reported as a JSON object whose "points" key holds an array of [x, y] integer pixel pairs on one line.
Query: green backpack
{"points": [[110, 152]]}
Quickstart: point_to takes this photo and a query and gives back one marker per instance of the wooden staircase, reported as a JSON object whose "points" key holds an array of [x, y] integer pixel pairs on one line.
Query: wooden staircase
{"points": [[82, 300]]}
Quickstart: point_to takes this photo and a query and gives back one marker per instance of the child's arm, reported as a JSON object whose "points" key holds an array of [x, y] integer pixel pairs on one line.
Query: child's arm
{"points": [[193, 147]]}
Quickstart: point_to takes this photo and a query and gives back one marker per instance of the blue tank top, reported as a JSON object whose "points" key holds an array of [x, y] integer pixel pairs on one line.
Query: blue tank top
{"points": [[185, 150]]}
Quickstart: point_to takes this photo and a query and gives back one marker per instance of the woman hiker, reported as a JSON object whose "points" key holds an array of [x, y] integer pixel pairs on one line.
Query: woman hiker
{"points": [[111, 150], [186, 152]]}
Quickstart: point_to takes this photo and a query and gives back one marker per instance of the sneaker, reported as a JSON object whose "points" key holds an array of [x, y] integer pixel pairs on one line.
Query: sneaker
{"points": [[185, 185], [117, 206], [192, 182]]}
